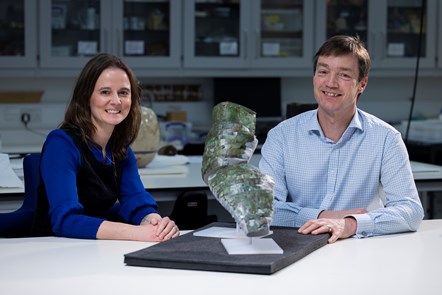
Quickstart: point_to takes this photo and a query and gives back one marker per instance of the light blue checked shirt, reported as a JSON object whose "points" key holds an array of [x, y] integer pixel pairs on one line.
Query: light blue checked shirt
{"points": [[367, 168]]}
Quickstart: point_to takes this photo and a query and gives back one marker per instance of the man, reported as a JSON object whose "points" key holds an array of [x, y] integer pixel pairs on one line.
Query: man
{"points": [[339, 169]]}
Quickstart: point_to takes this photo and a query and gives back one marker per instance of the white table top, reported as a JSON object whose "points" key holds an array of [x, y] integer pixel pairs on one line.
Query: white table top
{"points": [[407, 263]]}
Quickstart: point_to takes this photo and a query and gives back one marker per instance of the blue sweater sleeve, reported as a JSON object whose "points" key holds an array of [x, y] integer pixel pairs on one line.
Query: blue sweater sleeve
{"points": [[135, 201], [60, 163]]}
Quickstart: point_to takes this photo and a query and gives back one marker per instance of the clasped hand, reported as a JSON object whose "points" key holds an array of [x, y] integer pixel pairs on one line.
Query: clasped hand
{"points": [[164, 227]]}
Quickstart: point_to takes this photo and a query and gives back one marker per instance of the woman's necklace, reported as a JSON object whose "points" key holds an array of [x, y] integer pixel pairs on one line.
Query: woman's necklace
{"points": [[113, 165], [95, 148], [105, 158], [115, 168]]}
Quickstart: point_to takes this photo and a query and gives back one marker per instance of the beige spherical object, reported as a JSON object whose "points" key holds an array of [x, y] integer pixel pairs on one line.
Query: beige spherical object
{"points": [[147, 142]]}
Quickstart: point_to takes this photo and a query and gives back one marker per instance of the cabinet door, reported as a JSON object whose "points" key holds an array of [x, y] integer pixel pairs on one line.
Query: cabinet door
{"points": [[439, 54], [18, 22], [147, 33], [283, 33], [389, 29], [343, 17], [399, 36], [71, 32], [216, 33]]}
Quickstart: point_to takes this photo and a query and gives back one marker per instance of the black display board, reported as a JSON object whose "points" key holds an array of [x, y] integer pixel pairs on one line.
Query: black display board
{"points": [[208, 254]]}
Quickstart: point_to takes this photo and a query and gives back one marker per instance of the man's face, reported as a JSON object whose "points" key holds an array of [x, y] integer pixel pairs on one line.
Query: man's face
{"points": [[336, 85]]}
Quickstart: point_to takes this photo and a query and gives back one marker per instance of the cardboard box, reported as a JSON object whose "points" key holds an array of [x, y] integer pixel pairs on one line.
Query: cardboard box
{"points": [[176, 116], [21, 97]]}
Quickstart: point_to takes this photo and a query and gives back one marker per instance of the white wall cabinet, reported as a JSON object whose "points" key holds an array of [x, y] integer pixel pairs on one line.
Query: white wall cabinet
{"points": [[196, 38], [283, 34], [439, 53], [144, 33], [18, 21], [248, 34], [390, 29]]}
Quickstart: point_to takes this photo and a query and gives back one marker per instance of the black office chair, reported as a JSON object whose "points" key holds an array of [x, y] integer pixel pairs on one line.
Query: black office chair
{"points": [[18, 223], [190, 211]]}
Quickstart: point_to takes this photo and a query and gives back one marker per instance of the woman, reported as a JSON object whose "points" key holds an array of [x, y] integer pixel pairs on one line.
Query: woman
{"points": [[87, 164]]}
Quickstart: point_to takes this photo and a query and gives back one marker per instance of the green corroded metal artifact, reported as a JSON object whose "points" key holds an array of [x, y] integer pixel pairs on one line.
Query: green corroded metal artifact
{"points": [[240, 187], [247, 194], [234, 113], [231, 138]]}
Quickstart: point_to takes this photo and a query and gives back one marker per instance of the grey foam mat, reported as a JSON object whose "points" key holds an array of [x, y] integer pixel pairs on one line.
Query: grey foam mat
{"points": [[208, 254]]}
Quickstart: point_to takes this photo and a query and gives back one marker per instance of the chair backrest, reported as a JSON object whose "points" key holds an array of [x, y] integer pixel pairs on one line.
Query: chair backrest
{"points": [[18, 223], [190, 210], [31, 174]]}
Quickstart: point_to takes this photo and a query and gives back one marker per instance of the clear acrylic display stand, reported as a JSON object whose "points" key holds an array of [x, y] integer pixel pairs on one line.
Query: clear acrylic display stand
{"points": [[235, 241]]}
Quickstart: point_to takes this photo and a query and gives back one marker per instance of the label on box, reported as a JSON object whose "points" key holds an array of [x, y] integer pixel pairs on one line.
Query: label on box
{"points": [[270, 49], [87, 47], [228, 48], [134, 47], [396, 49]]}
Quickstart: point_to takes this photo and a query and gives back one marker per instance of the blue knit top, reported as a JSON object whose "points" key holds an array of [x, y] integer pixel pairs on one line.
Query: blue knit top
{"points": [[61, 165]]}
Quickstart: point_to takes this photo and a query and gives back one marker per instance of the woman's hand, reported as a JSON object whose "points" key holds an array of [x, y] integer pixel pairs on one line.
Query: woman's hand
{"points": [[165, 228]]}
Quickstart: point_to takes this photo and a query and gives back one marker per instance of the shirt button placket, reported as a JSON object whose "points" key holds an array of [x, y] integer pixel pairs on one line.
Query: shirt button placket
{"points": [[331, 176]]}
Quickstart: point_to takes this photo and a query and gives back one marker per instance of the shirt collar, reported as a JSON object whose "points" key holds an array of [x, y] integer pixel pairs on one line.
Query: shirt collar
{"points": [[355, 123]]}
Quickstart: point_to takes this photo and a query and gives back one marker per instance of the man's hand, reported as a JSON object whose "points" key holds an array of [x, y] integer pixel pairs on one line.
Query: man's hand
{"points": [[338, 228]]}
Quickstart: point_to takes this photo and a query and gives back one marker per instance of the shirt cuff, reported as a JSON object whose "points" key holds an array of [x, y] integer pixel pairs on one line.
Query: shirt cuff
{"points": [[365, 225]]}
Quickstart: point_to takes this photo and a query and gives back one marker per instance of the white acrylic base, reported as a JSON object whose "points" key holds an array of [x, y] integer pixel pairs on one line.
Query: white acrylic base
{"points": [[251, 246], [221, 232], [235, 241]]}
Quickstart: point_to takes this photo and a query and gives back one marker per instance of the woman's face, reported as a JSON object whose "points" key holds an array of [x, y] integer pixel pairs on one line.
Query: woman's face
{"points": [[111, 99]]}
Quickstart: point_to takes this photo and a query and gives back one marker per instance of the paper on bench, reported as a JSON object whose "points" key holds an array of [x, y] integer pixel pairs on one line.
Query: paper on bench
{"points": [[162, 165], [7, 176]]}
